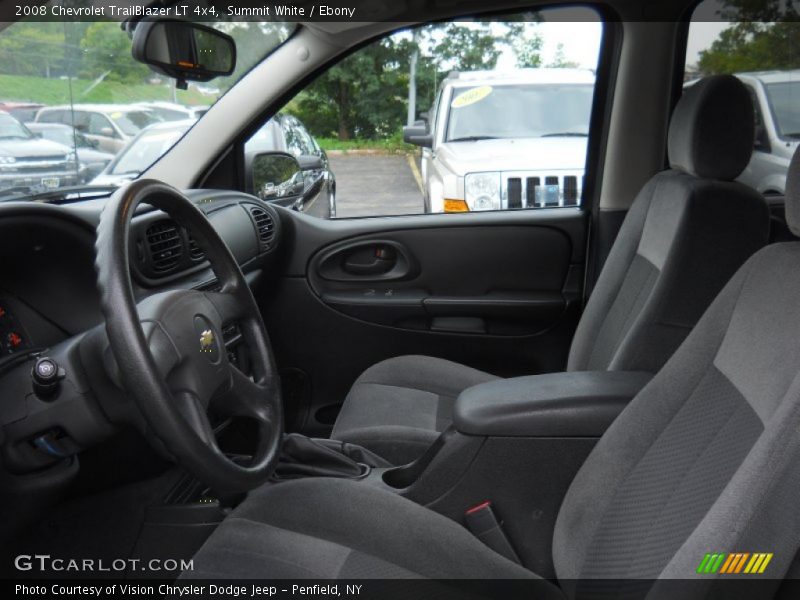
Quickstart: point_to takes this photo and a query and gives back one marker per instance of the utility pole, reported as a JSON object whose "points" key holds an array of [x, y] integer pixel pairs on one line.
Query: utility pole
{"points": [[412, 80]]}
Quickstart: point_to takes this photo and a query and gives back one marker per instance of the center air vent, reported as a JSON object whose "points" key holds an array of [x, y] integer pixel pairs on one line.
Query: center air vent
{"points": [[264, 224], [164, 245]]}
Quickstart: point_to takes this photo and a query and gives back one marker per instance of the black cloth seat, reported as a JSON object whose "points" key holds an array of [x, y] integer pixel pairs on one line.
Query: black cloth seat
{"points": [[685, 235], [704, 459]]}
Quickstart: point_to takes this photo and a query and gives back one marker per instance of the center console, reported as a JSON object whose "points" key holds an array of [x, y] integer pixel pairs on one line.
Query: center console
{"points": [[518, 444]]}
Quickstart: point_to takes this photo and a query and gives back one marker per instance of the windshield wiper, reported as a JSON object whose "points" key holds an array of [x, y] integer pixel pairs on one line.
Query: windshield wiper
{"points": [[474, 138], [58, 194], [566, 134]]}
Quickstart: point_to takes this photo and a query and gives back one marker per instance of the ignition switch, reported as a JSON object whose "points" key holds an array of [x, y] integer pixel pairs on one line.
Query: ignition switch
{"points": [[46, 376]]}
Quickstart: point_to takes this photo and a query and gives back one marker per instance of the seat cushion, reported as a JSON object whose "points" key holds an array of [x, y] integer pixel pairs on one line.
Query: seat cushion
{"points": [[336, 528], [398, 407]]}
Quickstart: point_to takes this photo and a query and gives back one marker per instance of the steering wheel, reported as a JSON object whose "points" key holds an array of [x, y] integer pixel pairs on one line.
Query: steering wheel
{"points": [[170, 352]]}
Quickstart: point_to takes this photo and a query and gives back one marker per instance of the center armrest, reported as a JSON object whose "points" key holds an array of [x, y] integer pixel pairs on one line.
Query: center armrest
{"points": [[572, 404]]}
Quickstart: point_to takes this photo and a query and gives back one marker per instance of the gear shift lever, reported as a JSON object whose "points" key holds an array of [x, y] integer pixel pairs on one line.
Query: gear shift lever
{"points": [[302, 456]]}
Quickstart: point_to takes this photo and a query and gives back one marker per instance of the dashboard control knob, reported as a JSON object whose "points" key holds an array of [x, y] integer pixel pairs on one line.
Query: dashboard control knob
{"points": [[46, 376]]}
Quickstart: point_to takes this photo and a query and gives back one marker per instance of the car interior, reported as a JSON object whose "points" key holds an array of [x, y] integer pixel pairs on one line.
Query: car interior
{"points": [[586, 400]]}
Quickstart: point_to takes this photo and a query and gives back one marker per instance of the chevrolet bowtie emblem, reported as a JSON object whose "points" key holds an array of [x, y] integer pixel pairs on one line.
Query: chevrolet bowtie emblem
{"points": [[207, 341]]}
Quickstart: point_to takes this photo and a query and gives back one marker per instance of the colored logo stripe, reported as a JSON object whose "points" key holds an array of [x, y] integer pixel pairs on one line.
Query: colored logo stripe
{"points": [[734, 563]]}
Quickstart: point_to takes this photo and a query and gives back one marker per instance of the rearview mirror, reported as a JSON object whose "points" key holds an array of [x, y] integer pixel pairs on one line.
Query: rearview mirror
{"points": [[276, 176], [418, 135], [184, 51]]}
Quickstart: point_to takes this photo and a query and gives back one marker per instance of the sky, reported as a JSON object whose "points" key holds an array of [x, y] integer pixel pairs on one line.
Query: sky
{"points": [[581, 41]]}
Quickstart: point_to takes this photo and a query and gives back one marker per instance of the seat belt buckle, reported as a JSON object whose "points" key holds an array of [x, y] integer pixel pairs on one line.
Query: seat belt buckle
{"points": [[483, 523]]}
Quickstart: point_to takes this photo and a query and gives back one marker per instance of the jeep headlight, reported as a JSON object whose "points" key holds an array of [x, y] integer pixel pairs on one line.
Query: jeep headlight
{"points": [[482, 191], [7, 160]]}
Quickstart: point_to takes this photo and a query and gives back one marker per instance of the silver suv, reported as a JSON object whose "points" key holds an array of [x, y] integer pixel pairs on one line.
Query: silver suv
{"points": [[776, 96], [502, 140]]}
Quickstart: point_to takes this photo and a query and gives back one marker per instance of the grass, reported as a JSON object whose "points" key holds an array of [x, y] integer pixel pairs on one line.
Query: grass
{"points": [[56, 91], [392, 145]]}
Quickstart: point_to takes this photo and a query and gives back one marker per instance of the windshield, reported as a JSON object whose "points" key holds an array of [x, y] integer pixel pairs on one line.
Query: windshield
{"points": [[785, 101], [145, 149], [82, 75], [132, 123], [11, 129], [519, 111]]}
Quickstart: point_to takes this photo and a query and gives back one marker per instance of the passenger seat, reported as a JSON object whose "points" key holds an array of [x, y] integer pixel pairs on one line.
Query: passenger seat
{"points": [[688, 231]]}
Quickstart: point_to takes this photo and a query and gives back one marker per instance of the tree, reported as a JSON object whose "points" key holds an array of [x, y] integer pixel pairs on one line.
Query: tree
{"points": [[361, 96], [560, 60], [107, 52], [765, 34], [526, 44], [33, 49], [366, 95]]}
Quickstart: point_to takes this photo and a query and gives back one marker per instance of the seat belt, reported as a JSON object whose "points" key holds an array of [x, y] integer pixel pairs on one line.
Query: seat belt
{"points": [[484, 525]]}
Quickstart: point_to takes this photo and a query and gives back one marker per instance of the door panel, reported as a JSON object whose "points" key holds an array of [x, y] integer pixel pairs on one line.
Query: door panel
{"points": [[497, 291]]}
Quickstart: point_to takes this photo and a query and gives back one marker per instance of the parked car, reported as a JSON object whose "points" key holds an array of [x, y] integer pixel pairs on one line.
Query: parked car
{"points": [[286, 133], [21, 111], [28, 161], [281, 134], [142, 151], [92, 161], [111, 125], [498, 140], [170, 111], [775, 97]]}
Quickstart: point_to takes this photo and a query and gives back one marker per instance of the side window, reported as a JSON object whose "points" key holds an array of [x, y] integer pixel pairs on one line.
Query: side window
{"points": [[761, 139], [296, 139], [460, 116], [100, 125], [80, 119], [744, 45], [52, 116]]}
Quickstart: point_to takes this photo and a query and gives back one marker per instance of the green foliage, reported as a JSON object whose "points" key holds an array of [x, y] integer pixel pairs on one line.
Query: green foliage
{"points": [[390, 145], [56, 91], [361, 96], [365, 95], [560, 60], [107, 53], [33, 49], [753, 47], [765, 36]]}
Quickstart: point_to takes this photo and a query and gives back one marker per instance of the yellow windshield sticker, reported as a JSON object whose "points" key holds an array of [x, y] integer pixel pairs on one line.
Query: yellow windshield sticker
{"points": [[471, 96], [116, 115]]}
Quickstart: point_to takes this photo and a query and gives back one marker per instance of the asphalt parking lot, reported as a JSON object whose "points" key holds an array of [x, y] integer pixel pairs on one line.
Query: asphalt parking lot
{"points": [[369, 185]]}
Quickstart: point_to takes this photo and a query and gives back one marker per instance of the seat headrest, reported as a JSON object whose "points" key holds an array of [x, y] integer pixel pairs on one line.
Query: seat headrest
{"points": [[712, 129], [792, 197]]}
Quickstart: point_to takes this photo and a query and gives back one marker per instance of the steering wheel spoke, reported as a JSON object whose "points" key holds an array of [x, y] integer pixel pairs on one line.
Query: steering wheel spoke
{"points": [[244, 398], [228, 305], [194, 413]]}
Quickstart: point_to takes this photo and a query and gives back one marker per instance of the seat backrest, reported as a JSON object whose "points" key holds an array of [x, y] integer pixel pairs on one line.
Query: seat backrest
{"points": [[688, 231], [706, 458]]}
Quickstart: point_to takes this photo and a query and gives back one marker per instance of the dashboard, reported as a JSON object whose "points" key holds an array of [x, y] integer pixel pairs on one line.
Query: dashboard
{"points": [[47, 278]]}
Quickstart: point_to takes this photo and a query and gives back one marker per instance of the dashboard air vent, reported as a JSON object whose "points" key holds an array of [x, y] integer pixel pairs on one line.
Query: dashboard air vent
{"points": [[264, 224], [165, 245]]}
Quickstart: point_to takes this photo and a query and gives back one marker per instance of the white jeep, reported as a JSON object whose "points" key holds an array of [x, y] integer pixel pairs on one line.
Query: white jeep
{"points": [[503, 140]]}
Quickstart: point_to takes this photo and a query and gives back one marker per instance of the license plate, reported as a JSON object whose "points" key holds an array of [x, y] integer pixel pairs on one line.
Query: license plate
{"points": [[50, 182]]}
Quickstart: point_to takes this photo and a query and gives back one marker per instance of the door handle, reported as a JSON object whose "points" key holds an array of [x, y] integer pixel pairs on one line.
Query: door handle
{"points": [[365, 260], [376, 267]]}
